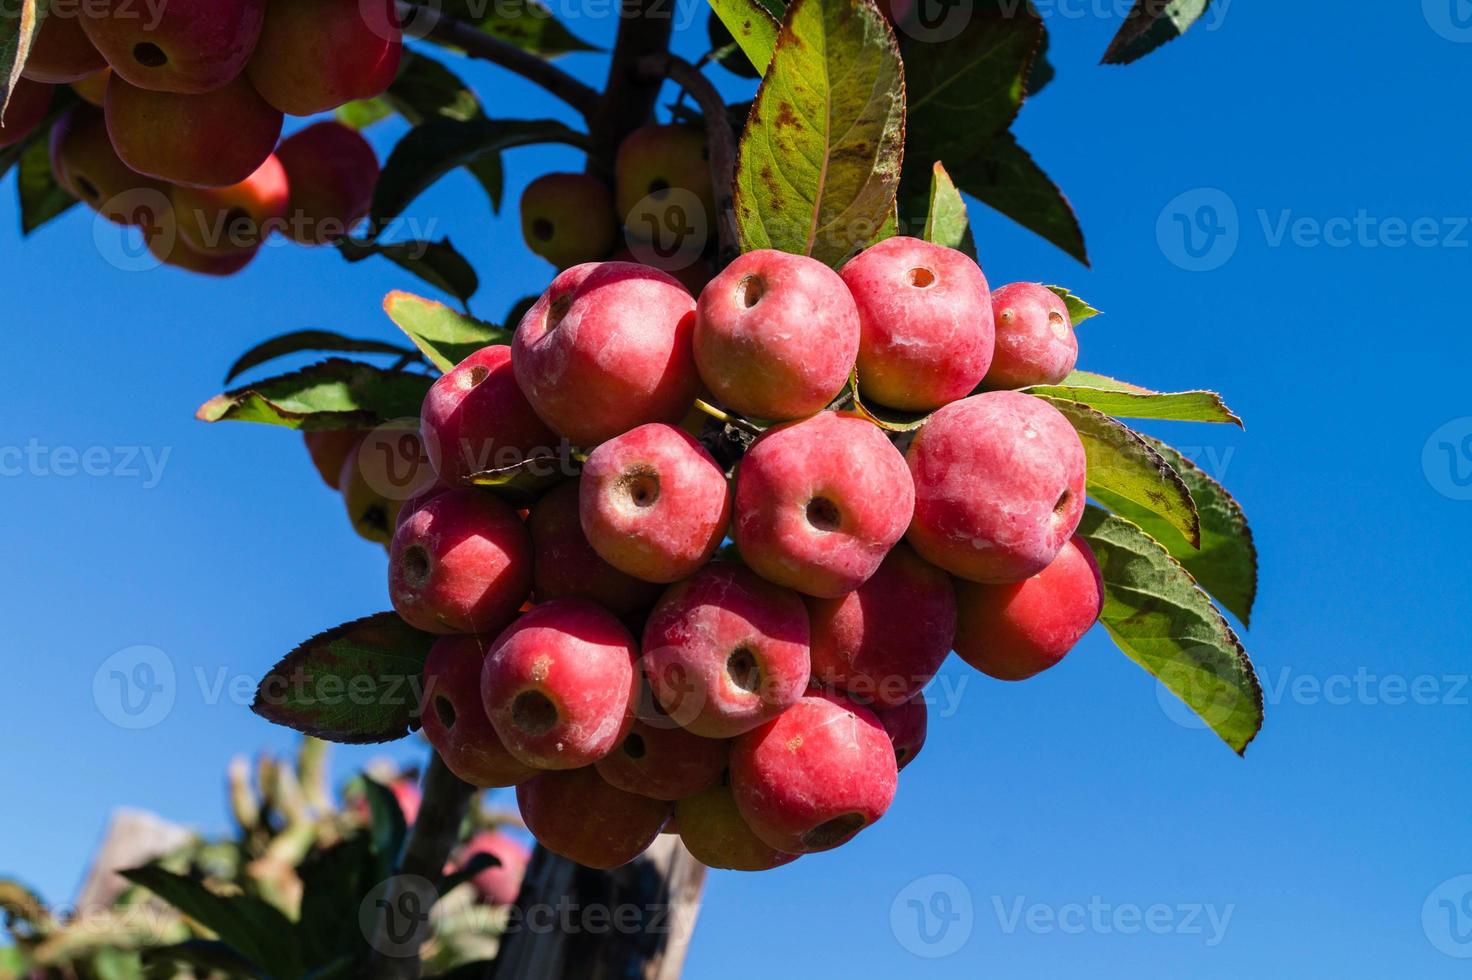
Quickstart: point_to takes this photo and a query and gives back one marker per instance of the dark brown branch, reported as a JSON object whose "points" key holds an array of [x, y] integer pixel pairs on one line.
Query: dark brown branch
{"points": [[644, 30], [436, 831], [429, 22], [720, 138]]}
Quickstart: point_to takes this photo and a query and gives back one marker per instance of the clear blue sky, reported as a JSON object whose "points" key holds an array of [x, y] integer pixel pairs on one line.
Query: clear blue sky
{"points": [[1063, 809]]}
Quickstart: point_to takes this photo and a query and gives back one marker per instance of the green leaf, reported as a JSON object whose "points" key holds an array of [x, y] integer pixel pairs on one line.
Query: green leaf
{"points": [[1042, 69], [946, 221], [20, 27], [425, 89], [888, 419], [965, 92], [248, 925], [1165, 623], [753, 25], [362, 113], [525, 23], [1124, 464], [1124, 400], [387, 826], [335, 394], [1007, 178], [1151, 24], [819, 161], [1078, 310], [1226, 563], [41, 197], [334, 880], [437, 263], [308, 340], [357, 683], [431, 150], [445, 336]]}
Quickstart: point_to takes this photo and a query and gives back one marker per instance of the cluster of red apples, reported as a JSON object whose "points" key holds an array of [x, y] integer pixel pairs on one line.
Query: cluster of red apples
{"points": [[661, 645], [182, 105]]}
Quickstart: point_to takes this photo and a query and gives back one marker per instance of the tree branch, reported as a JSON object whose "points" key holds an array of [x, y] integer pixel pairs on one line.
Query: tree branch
{"points": [[644, 30], [720, 138], [446, 798], [430, 22]]}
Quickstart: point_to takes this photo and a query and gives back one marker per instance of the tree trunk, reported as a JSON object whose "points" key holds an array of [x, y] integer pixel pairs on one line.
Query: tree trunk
{"points": [[633, 922]]}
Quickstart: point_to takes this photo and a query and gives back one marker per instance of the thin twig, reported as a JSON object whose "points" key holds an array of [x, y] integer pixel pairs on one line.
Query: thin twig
{"points": [[720, 138], [430, 22]]}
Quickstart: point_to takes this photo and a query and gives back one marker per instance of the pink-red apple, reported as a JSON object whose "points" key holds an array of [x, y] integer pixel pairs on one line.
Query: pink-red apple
{"points": [[560, 684], [60, 50], [814, 777], [664, 762], [332, 171], [475, 418], [315, 55], [906, 726], [1036, 344], [500, 885], [776, 335], [578, 815], [654, 503], [227, 221], [925, 318], [86, 165], [725, 650], [461, 563], [857, 645], [185, 46], [607, 348], [454, 717], [1014, 631], [999, 486], [565, 566], [820, 502]]}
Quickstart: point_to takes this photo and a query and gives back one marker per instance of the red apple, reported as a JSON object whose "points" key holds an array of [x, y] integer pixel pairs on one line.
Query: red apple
{"points": [[500, 885], [330, 449], [713, 830], [607, 348], [725, 651], [315, 55], [560, 684], [184, 46], [906, 726], [577, 815], [454, 717], [60, 50], [814, 777], [460, 564], [820, 502], [856, 645], [1035, 340], [1014, 631], [776, 335], [475, 418], [664, 762], [654, 503], [565, 566], [332, 171], [999, 486]]}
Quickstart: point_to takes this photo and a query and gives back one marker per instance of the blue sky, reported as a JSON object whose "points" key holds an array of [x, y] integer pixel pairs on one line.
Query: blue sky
{"points": [[1074, 825]]}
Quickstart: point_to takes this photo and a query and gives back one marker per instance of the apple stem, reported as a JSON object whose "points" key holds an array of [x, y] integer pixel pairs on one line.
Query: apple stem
{"points": [[430, 22]]}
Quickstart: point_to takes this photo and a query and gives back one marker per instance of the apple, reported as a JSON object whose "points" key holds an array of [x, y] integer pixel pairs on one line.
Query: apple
{"points": [[925, 319], [567, 218], [227, 221], [856, 646], [1036, 344], [1017, 630], [906, 725], [332, 171], [461, 563], [29, 103], [999, 486], [713, 830], [776, 335], [820, 502], [182, 46], [576, 814], [475, 418], [812, 778], [654, 504], [607, 348], [565, 566], [560, 684], [455, 720], [60, 51], [664, 762]]}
